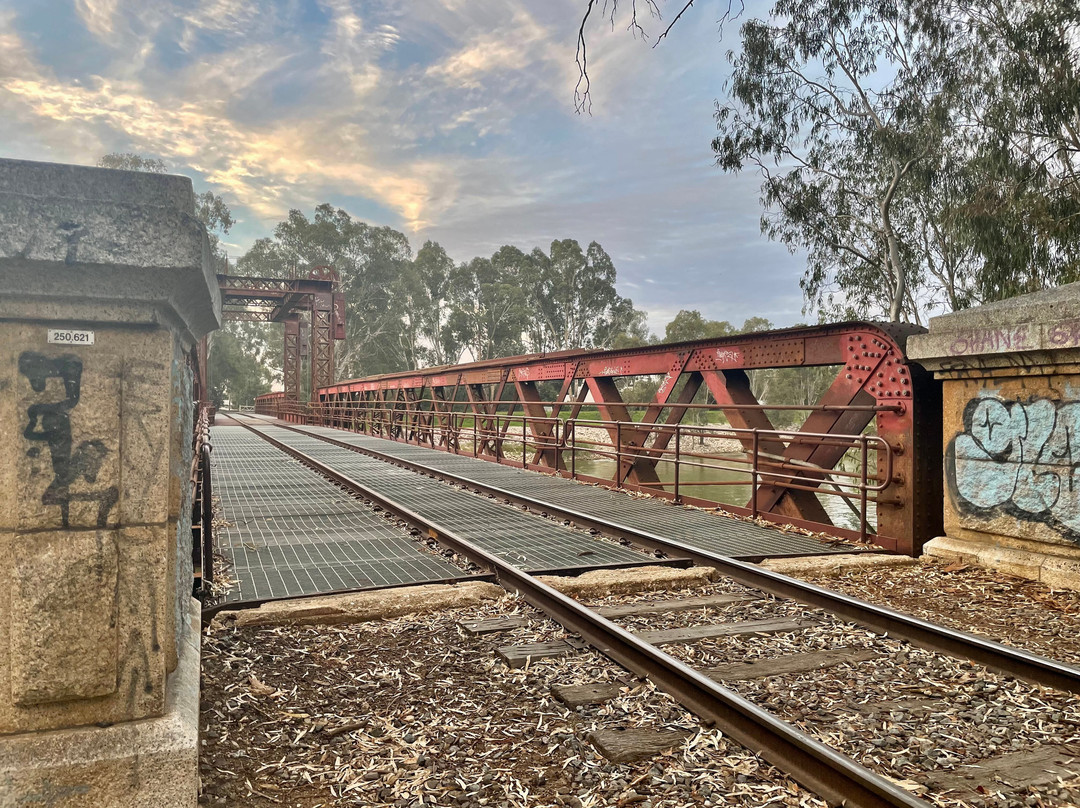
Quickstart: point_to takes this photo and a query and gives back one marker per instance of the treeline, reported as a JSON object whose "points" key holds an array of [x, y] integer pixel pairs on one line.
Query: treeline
{"points": [[406, 310]]}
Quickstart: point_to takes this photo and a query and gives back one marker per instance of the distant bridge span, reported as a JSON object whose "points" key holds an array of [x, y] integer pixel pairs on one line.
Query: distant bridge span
{"points": [[873, 439]]}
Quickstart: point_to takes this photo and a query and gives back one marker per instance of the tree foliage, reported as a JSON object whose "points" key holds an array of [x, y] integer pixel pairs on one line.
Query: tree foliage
{"points": [[369, 260], [406, 311], [923, 154], [922, 160], [240, 363], [836, 147]]}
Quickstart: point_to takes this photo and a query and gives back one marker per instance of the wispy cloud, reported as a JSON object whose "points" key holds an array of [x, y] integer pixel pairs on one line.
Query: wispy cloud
{"points": [[450, 119], [98, 15]]}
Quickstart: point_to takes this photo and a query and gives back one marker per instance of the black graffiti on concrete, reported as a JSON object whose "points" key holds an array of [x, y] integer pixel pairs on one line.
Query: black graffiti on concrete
{"points": [[1019, 458], [50, 423]]}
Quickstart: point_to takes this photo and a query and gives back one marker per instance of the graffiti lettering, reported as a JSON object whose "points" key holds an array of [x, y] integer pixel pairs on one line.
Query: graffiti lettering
{"points": [[612, 370], [728, 356], [991, 340], [1017, 457], [1064, 335], [50, 422]]}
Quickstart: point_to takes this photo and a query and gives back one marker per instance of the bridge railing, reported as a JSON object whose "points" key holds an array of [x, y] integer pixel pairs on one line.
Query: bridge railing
{"points": [[583, 449], [202, 503], [799, 464]]}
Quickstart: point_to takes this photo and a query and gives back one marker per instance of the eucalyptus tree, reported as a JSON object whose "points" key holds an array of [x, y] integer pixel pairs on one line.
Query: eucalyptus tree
{"points": [[924, 154], [424, 286], [369, 260], [1013, 68], [488, 309], [835, 144], [573, 300]]}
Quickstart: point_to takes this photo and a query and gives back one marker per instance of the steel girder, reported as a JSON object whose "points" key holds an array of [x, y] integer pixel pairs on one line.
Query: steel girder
{"points": [[283, 300], [291, 359], [876, 388]]}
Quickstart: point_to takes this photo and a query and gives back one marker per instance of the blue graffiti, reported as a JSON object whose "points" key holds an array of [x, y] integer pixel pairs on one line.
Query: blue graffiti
{"points": [[1018, 458]]}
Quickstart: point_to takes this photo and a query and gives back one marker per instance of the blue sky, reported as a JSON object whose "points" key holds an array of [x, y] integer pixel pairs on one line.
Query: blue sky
{"points": [[450, 120]]}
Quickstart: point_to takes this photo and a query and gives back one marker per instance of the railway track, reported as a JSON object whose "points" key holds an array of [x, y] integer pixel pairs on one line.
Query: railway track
{"points": [[820, 767]]}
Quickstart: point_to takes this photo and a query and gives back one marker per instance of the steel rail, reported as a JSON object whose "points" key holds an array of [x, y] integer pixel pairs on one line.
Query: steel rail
{"points": [[829, 773], [952, 642]]}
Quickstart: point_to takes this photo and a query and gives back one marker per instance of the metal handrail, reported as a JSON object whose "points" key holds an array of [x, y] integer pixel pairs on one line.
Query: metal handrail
{"points": [[202, 496], [496, 436]]}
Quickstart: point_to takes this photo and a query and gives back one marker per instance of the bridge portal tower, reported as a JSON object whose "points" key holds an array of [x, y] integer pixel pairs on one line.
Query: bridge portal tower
{"points": [[312, 308]]}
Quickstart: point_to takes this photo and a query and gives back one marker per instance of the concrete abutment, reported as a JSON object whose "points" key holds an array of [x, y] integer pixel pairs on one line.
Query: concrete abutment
{"points": [[105, 285], [1011, 434]]}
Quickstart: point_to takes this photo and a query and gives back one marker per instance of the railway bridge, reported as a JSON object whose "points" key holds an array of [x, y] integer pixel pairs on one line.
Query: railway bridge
{"points": [[127, 494]]}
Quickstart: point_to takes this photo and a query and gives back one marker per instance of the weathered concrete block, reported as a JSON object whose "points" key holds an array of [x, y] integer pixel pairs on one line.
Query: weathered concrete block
{"points": [[148, 387], [1061, 573], [68, 463], [1011, 413], [141, 255], [64, 586], [45, 622], [1019, 332], [105, 284], [126, 765], [834, 565]]}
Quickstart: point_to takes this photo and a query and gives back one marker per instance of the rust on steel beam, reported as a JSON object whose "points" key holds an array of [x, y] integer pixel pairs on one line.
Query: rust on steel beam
{"points": [[541, 429], [625, 439], [245, 316], [650, 455], [255, 299], [875, 387], [838, 421], [732, 387], [291, 357], [289, 303], [322, 341], [675, 415]]}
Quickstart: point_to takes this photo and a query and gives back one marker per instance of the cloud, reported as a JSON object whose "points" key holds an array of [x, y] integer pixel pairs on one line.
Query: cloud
{"points": [[223, 15], [352, 50], [449, 119], [268, 171], [98, 15]]}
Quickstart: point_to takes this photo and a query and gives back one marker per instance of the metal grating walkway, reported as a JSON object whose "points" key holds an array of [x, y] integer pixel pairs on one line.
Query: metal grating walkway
{"points": [[729, 537], [529, 542], [287, 531]]}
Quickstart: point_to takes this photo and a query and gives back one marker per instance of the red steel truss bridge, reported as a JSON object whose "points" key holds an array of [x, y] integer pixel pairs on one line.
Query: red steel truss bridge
{"points": [[872, 441]]}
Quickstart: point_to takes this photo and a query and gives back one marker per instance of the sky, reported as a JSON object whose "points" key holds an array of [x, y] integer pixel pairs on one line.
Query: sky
{"points": [[450, 120]]}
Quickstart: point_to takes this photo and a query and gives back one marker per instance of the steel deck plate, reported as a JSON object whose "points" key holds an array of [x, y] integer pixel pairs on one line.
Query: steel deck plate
{"points": [[528, 542], [287, 531], [730, 537]]}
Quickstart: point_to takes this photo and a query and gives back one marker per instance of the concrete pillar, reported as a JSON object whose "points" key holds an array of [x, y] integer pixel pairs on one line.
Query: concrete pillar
{"points": [[105, 285], [1011, 416]]}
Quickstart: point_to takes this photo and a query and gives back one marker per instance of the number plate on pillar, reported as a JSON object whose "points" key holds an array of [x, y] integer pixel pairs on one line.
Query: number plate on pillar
{"points": [[68, 336]]}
